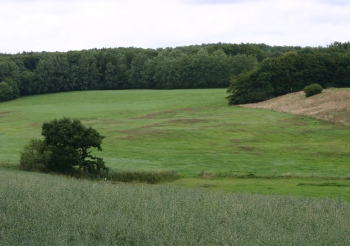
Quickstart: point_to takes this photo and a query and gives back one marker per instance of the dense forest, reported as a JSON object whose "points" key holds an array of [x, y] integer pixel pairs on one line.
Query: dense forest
{"points": [[251, 72], [291, 72]]}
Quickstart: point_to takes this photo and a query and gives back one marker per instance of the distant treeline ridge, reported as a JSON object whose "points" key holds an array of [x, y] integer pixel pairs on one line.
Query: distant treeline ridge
{"points": [[252, 72]]}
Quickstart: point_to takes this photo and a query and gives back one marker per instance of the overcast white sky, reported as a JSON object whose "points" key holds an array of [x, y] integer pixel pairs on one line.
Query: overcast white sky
{"points": [[62, 25]]}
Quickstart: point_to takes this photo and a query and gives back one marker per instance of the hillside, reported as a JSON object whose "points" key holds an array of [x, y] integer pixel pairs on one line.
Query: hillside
{"points": [[189, 131], [332, 105]]}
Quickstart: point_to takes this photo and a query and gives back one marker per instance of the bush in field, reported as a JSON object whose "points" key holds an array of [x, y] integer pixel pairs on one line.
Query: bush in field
{"points": [[66, 146], [35, 156], [312, 89]]}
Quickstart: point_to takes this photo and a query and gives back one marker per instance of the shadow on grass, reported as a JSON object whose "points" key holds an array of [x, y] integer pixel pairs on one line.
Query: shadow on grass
{"points": [[332, 184], [138, 176], [204, 174], [144, 176]]}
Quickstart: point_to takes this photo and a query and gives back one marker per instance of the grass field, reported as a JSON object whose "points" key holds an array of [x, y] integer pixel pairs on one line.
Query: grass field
{"points": [[40, 209], [188, 131], [193, 132]]}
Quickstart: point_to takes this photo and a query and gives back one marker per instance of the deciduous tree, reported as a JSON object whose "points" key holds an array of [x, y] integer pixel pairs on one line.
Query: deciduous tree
{"points": [[69, 142], [66, 146]]}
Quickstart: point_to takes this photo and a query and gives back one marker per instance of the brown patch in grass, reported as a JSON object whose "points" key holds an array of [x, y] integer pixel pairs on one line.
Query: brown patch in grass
{"points": [[236, 140], [148, 133], [160, 114], [164, 114], [150, 126], [246, 148], [4, 113], [36, 124], [332, 105], [139, 134], [189, 109], [188, 121], [150, 130], [106, 121], [133, 130], [295, 121]]}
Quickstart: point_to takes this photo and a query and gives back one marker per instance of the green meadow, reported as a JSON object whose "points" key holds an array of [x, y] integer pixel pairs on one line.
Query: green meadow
{"points": [[189, 131], [194, 132]]}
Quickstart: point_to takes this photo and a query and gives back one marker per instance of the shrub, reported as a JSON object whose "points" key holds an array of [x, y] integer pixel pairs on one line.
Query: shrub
{"points": [[35, 156], [65, 148], [312, 89]]}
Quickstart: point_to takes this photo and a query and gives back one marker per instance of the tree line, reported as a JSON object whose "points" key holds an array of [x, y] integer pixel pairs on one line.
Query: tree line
{"points": [[291, 72], [251, 71], [203, 66]]}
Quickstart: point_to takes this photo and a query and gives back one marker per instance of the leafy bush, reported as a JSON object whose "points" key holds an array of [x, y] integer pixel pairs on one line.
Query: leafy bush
{"points": [[35, 156], [312, 89], [64, 149]]}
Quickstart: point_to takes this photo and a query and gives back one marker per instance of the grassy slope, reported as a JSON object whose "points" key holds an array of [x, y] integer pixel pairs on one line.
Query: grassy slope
{"points": [[185, 130], [331, 105], [192, 131]]}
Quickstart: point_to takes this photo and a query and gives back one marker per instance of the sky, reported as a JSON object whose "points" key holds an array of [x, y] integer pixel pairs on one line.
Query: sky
{"points": [[63, 25]]}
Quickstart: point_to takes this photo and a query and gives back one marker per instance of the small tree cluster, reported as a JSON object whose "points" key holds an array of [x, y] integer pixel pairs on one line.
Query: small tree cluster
{"points": [[8, 90], [65, 148], [312, 89]]}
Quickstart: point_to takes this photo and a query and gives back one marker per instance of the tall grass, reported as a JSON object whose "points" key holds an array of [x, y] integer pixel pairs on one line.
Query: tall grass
{"points": [[38, 209]]}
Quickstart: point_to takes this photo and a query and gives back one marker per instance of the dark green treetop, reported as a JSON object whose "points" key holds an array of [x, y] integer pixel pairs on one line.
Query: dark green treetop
{"points": [[70, 142]]}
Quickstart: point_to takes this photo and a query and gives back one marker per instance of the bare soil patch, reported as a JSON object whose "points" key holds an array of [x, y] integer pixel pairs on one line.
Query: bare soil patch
{"points": [[332, 105]]}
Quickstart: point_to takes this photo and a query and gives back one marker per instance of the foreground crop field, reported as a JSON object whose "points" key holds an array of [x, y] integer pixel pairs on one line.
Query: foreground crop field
{"points": [[41, 209], [189, 131]]}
